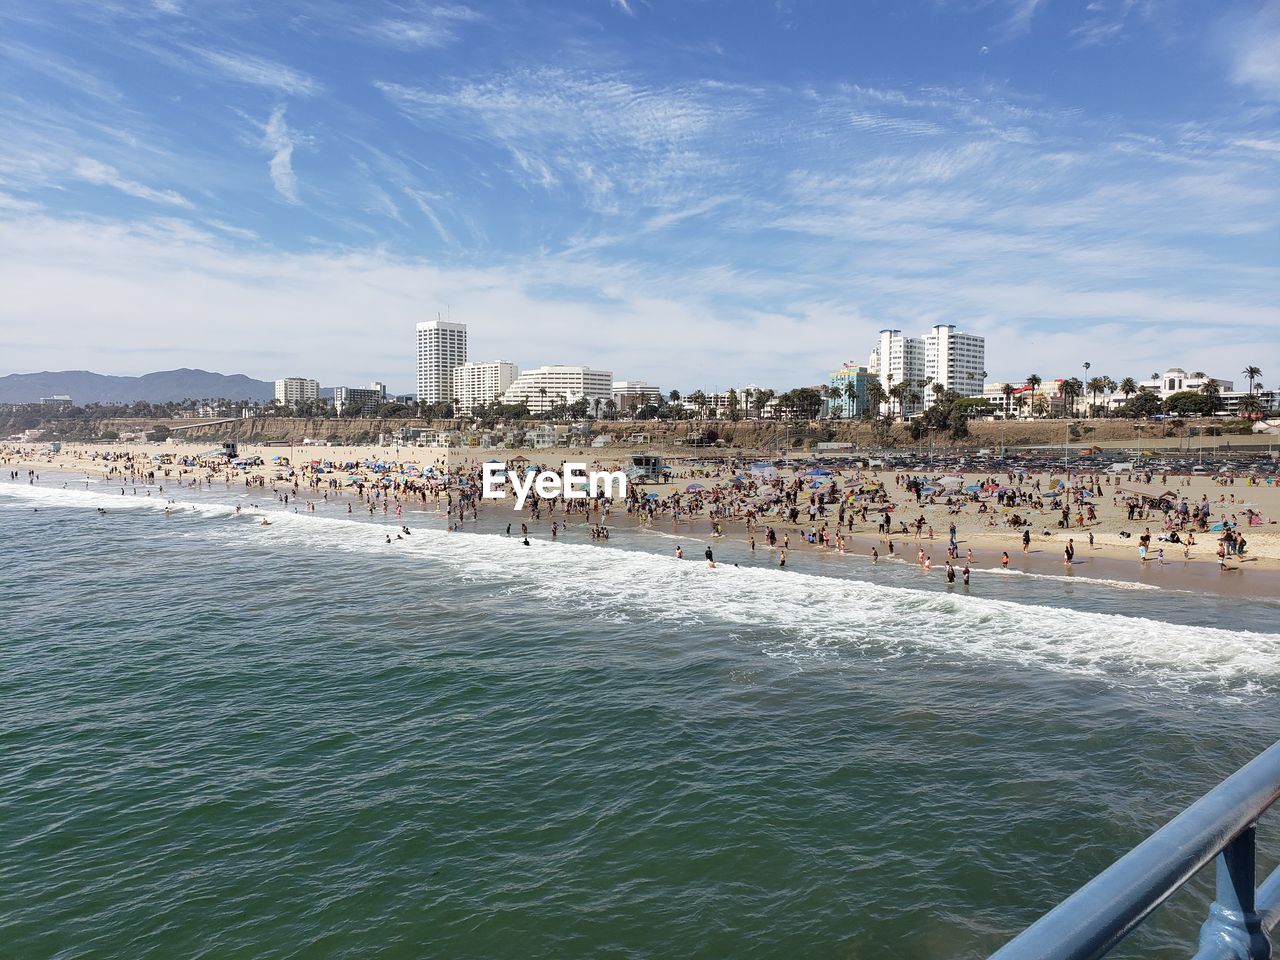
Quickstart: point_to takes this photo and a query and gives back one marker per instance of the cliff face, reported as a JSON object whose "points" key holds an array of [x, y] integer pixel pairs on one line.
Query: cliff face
{"points": [[755, 435]]}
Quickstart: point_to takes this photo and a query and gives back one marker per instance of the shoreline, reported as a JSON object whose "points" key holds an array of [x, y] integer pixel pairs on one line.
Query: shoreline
{"points": [[1250, 579]]}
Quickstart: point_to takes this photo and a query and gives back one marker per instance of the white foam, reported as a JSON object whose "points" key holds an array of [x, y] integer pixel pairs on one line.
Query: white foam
{"points": [[798, 615]]}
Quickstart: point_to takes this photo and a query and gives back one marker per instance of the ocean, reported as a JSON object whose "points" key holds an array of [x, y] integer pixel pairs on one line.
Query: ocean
{"points": [[224, 740]]}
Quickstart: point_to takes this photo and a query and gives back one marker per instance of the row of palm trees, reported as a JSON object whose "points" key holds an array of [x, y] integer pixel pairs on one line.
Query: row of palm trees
{"points": [[1073, 389]]}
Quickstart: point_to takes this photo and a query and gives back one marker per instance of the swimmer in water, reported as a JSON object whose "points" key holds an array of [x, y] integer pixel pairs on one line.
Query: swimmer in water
{"points": [[1004, 559], [782, 558], [265, 522], [679, 552], [525, 541], [711, 560], [875, 555]]}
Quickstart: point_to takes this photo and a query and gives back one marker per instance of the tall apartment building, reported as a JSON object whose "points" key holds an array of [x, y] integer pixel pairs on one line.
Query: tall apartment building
{"points": [[291, 390], [954, 359], [442, 346], [477, 383], [896, 359], [544, 387], [367, 398]]}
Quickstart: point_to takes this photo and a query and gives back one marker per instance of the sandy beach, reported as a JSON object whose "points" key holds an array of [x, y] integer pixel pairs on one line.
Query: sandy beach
{"points": [[706, 501]]}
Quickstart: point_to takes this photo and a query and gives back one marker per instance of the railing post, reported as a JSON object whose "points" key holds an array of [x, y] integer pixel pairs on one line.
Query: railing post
{"points": [[1233, 920]]}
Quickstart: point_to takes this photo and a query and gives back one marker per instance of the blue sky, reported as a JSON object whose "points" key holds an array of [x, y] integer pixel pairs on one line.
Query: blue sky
{"points": [[701, 193]]}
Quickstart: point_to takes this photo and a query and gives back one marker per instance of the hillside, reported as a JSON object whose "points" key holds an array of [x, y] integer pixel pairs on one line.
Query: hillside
{"points": [[83, 386]]}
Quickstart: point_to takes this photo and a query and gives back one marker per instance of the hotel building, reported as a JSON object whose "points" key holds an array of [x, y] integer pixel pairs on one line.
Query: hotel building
{"points": [[442, 346], [292, 390], [368, 399], [954, 359], [479, 383], [542, 388]]}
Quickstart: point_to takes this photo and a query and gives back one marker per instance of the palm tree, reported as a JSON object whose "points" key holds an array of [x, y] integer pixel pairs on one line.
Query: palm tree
{"points": [[1250, 404], [1128, 386], [876, 396], [1006, 389], [1253, 373], [1096, 386], [1033, 382], [610, 406], [1072, 388], [899, 391]]}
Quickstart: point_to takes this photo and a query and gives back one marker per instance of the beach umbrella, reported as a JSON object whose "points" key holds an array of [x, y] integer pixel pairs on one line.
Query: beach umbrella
{"points": [[693, 487]]}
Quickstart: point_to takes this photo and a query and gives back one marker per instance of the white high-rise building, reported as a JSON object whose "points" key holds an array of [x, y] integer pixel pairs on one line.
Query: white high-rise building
{"points": [[291, 390], [897, 359], [477, 383], [543, 388], [954, 359], [441, 347]]}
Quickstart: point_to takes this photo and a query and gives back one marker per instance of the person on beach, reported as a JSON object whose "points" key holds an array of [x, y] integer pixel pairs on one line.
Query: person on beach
{"points": [[965, 573], [951, 573], [875, 555], [711, 560], [1004, 559], [1026, 541]]}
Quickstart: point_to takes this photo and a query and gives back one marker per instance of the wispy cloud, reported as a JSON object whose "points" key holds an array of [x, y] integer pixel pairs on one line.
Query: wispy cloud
{"points": [[59, 68], [1021, 13], [622, 5], [99, 174], [258, 71], [1254, 45], [603, 134], [422, 27], [279, 140]]}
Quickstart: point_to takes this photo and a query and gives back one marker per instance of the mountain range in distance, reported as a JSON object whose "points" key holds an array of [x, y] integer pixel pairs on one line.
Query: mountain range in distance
{"points": [[83, 386]]}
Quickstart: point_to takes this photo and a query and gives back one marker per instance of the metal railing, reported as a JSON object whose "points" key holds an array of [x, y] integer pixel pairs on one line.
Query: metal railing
{"points": [[1221, 824]]}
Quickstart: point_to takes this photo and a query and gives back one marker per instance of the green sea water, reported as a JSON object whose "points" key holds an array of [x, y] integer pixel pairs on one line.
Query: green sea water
{"points": [[219, 740]]}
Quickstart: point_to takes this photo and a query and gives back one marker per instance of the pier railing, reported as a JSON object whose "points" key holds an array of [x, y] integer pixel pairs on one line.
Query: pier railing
{"points": [[1223, 825]]}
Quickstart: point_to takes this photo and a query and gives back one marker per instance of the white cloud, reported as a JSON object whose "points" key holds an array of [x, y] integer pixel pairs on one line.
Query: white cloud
{"points": [[432, 27], [622, 5], [606, 136], [124, 283], [1256, 51], [1021, 13], [279, 139], [99, 174], [258, 72]]}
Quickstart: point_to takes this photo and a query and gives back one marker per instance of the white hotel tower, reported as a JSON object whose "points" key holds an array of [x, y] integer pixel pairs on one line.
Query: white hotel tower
{"points": [[442, 346], [943, 356]]}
